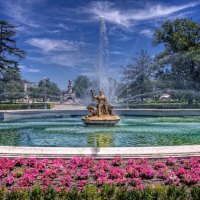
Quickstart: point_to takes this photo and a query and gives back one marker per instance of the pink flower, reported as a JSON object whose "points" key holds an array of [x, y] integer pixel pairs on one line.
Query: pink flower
{"points": [[170, 161], [189, 178], [82, 174], [117, 172], [147, 172], [9, 180], [117, 161], [172, 179], [158, 165], [65, 180], [82, 183], [180, 172]]}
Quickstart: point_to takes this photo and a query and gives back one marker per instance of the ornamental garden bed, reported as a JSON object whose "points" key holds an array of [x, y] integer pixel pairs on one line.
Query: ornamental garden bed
{"points": [[85, 175]]}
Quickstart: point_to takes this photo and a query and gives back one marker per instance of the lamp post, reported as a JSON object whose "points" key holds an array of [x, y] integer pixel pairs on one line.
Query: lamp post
{"points": [[45, 93], [127, 106]]}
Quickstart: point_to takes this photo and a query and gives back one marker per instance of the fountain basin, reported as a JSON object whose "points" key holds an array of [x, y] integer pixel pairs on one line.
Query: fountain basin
{"points": [[101, 120]]}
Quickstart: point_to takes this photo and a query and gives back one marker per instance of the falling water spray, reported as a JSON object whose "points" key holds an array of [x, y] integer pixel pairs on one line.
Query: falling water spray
{"points": [[103, 59]]}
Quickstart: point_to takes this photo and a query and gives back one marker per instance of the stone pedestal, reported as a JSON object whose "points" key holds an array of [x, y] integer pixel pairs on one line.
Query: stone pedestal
{"points": [[101, 120]]}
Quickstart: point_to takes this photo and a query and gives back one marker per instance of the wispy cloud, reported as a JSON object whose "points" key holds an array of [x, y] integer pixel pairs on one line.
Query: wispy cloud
{"points": [[28, 69], [119, 53], [20, 11], [60, 52], [128, 17], [147, 32], [49, 45], [67, 60]]}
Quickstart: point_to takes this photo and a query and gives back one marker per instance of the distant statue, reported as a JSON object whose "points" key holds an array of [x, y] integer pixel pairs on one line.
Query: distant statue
{"points": [[69, 90]]}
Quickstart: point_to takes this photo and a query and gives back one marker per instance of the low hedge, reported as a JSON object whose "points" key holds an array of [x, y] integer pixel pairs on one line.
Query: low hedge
{"points": [[165, 106], [19, 106], [106, 192]]}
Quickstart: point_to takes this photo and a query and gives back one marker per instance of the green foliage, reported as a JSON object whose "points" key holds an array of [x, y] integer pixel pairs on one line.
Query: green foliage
{"points": [[107, 192], [177, 193], [19, 106], [3, 192], [45, 87], [181, 39], [195, 193], [50, 194], [164, 106], [137, 76], [81, 86], [37, 194], [150, 194], [17, 195], [90, 193], [69, 195], [8, 46], [11, 85]]}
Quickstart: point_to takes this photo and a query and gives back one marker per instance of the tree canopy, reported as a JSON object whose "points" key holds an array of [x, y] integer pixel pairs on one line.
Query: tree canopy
{"points": [[45, 87], [81, 86], [137, 75], [8, 48], [181, 40], [11, 85]]}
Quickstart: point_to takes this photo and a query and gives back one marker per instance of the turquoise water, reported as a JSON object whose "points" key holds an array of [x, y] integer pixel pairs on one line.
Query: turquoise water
{"points": [[130, 132]]}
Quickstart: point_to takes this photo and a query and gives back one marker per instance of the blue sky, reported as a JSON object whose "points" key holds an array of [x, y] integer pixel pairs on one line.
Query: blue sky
{"points": [[61, 37]]}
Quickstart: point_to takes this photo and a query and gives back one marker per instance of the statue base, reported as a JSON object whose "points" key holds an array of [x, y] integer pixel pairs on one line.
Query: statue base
{"points": [[101, 120]]}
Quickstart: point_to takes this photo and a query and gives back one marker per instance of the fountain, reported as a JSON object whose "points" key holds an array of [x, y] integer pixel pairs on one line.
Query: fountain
{"points": [[102, 114]]}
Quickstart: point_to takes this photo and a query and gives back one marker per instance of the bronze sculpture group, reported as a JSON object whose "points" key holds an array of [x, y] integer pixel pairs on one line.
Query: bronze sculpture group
{"points": [[102, 113], [102, 108]]}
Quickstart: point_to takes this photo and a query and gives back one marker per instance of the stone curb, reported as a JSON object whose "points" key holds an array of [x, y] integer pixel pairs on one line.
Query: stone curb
{"points": [[124, 152]]}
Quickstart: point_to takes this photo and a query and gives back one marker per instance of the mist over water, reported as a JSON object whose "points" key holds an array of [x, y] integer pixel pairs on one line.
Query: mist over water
{"points": [[106, 84]]}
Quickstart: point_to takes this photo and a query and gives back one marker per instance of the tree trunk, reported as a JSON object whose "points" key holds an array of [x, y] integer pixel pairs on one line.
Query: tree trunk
{"points": [[190, 101]]}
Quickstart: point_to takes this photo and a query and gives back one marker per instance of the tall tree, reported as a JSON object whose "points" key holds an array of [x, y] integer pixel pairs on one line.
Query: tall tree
{"points": [[81, 86], [181, 40], [45, 88], [8, 48], [137, 75], [11, 85]]}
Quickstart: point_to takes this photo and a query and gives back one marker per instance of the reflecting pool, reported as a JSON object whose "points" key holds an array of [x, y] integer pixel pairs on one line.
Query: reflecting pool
{"points": [[130, 132]]}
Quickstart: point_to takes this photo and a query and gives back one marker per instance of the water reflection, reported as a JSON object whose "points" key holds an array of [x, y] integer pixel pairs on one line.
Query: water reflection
{"points": [[132, 131], [102, 139]]}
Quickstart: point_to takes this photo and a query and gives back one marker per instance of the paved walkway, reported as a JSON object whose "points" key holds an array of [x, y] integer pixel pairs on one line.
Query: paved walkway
{"points": [[68, 107]]}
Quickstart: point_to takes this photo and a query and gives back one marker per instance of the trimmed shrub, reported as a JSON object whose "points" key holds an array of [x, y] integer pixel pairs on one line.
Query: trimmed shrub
{"points": [[195, 193], [91, 192], [19, 106]]}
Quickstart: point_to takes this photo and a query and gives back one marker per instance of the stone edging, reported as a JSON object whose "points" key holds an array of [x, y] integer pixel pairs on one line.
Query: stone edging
{"points": [[124, 152]]}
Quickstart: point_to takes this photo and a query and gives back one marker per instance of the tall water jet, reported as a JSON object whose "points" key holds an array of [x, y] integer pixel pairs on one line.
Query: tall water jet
{"points": [[103, 59]]}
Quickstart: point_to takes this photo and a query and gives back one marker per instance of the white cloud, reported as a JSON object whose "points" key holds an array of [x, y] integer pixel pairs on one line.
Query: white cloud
{"points": [[119, 53], [49, 45], [147, 32], [29, 69], [20, 11], [64, 27], [127, 18]]}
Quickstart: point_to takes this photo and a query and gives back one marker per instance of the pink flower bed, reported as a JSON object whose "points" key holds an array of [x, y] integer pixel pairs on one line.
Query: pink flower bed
{"points": [[77, 172]]}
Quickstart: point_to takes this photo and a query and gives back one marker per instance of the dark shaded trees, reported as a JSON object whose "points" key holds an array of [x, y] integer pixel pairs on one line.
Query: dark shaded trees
{"points": [[181, 40], [137, 75], [46, 88], [11, 85], [8, 48], [81, 86]]}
